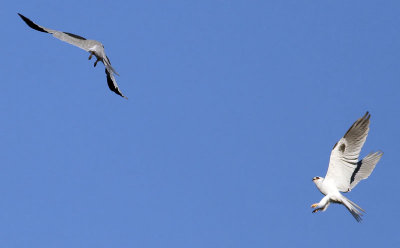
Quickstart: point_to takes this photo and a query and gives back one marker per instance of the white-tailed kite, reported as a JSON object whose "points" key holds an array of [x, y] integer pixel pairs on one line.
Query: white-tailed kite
{"points": [[345, 171], [92, 46]]}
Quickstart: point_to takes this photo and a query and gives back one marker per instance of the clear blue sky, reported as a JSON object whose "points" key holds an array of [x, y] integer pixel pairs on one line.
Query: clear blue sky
{"points": [[233, 107]]}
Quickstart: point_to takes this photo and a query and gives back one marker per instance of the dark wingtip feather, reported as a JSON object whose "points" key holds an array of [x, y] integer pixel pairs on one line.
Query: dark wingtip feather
{"points": [[112, 86], [367, 116], [363, 121], [31, 24]]}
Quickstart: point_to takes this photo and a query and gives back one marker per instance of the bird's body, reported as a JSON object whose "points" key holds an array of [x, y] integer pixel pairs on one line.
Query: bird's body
{"points": [[92, 46], [345, 171], [326, 187]]}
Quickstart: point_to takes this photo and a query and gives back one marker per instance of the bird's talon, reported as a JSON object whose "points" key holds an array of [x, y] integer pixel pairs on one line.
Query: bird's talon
{"points": [[314, 205]]}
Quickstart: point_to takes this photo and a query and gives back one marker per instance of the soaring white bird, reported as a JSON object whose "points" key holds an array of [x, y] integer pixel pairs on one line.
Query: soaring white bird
{"points": [[92, 46], [345, 171]]}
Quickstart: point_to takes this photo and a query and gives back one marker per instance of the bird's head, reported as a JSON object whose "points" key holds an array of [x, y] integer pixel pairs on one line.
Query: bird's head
{"points": [[317, 180]]}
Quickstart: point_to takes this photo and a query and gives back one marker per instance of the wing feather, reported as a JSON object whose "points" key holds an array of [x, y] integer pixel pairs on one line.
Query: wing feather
{"points": [[72, 39], [32, 25], [344, 155], [365, 168], [112, 84]]}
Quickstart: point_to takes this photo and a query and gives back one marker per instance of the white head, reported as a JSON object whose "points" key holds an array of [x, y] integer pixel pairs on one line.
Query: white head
{"points": [[318, 180]]}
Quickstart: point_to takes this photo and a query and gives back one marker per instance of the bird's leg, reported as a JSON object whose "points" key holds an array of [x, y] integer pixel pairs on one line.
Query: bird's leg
{"points": [[316, 210], [95, 63], [90, 56], [322, 205]]}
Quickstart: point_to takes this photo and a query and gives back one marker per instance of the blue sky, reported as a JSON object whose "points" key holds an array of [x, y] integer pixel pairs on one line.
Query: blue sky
{"points": [[234, 106]]}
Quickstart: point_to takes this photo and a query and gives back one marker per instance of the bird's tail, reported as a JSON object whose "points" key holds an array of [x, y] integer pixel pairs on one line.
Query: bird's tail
{"points": [[353, 208]]}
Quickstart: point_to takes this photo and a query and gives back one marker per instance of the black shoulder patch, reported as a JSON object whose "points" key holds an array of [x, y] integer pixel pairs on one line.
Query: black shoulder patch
{"points": [[108, 60], [75, 36], [32, 24], [342, 147], [353, 176]]}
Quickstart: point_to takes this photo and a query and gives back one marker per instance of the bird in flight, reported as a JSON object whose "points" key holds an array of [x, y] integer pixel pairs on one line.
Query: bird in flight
{"points": [[92, 46], [345, 171]]}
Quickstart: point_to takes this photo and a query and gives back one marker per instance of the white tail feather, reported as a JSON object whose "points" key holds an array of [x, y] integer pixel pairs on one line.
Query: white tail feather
{"points": [[353, 208]]}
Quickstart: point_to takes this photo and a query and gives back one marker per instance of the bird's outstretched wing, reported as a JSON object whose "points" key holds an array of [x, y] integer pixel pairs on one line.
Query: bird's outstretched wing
{"points": [[72, 39], [364, 168], [112, 84], [344, 156]]}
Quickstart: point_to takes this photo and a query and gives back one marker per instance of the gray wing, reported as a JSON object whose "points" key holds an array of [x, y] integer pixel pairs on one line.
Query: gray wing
{"points": [[112, 84], [107, 63], [364, 168], [345, 153], [72, 39]]}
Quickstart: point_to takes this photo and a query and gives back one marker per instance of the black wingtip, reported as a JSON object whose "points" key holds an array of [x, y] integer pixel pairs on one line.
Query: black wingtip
{"points": [[367, 115], [112, 86], [31, 23]]}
